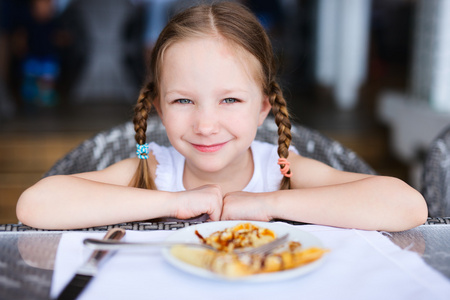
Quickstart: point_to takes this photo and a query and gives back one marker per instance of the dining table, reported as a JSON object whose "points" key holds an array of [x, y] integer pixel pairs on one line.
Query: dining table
{"points": [[28, 255]]}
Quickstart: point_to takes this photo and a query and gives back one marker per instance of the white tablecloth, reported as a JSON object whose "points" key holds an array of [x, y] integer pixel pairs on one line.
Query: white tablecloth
{"points": [[360, 265]]}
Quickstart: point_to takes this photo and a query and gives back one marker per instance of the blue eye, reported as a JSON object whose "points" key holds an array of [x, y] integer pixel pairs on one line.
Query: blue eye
{"points": [[229, 100], [183, 101]]}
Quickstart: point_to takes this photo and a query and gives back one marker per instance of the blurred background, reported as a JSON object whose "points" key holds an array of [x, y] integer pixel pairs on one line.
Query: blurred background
{"points": [[371, 74]]}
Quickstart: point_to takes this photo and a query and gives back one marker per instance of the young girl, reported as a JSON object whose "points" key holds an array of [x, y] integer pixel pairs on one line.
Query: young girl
{"points": [[212, 82]]}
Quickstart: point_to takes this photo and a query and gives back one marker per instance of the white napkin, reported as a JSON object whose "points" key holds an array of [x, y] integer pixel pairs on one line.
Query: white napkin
{"points": [[360, 265]]}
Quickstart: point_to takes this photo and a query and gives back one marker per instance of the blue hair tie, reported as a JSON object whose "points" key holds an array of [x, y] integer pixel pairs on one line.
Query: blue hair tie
{"points": [[142, 151]]}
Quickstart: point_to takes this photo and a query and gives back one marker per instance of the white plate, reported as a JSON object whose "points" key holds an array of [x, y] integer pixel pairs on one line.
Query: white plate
{"points": [[188, 235]]}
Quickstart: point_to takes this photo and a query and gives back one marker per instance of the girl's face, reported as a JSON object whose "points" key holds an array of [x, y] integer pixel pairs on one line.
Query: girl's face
{"points": [[210, 102]]}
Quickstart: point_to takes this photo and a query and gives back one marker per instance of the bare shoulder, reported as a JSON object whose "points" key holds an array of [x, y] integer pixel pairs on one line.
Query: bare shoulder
{"points": [[308, 172], [121, 172]]}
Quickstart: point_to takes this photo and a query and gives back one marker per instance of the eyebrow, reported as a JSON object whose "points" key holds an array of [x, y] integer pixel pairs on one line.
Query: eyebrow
{"points": [[234, 90], [224, 91], [180, 92]]}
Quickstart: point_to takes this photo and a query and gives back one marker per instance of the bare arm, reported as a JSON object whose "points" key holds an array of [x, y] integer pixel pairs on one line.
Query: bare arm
{"points": [[103, 197], [376, 203], [322, 195]]}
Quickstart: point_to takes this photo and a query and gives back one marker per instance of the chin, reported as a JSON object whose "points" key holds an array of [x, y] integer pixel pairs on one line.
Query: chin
{"points": [[212, 168]]}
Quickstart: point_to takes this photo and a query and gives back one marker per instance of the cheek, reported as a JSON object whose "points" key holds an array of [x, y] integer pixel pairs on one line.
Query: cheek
{"points": [[243, 124], [176, 123], [244, 120]]}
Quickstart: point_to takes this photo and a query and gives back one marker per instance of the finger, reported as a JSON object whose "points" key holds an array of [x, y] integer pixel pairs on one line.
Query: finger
{"points": [[214, 215]]}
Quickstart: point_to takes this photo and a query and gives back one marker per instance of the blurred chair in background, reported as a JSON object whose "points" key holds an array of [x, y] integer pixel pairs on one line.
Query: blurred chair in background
{"points": [[419, 111], [436, 176], [113, 39], [118, 143]]}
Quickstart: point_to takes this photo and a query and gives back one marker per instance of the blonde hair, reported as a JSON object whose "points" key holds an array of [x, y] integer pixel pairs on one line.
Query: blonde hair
{"points": [[237, 25]]}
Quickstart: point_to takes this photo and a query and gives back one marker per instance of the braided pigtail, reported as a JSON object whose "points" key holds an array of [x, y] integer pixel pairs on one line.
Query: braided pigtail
{"points": [[279, 109], [142, 177]]}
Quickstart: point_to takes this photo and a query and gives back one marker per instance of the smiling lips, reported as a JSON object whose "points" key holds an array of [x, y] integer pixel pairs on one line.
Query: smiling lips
{"points": [[209, 148]]}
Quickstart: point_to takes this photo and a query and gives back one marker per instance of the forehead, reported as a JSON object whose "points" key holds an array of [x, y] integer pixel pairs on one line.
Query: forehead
{"points": [[185, 51]]}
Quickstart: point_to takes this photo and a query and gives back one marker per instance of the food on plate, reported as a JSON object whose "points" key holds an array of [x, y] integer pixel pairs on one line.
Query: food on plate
{"points": [[240, 236], [229, 264]]}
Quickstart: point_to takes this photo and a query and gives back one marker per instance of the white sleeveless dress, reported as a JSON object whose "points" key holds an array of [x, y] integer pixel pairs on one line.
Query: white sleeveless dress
{"points": [[266, 174]]}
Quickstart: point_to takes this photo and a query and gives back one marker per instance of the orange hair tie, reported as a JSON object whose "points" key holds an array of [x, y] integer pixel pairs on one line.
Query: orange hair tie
{"points": [[285, 170]]}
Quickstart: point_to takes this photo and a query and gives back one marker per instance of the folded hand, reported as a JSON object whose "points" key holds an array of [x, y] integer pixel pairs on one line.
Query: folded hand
{"points": [[246, 206], [206, 199]]}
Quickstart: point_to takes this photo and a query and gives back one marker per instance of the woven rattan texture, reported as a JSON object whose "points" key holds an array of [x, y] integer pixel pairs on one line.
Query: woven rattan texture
{"points": [[438, 221], [436, 175], [164, 225]]}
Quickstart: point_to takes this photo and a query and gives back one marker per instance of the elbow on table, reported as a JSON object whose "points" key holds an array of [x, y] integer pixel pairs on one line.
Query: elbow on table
{"points": [[402, 206], [30, 206], [414, 208], [419, 210], [25, 208]]}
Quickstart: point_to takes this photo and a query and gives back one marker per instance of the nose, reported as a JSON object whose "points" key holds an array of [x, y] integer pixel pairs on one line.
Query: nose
{"points": [[206, 122]]}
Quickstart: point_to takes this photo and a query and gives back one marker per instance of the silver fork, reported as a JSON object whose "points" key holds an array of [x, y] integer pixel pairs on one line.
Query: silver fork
{"points": [[117, 245], [265, 248]]}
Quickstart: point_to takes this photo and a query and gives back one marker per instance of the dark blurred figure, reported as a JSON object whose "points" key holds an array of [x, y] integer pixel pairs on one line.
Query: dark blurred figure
{"points": [[36, 39]]}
